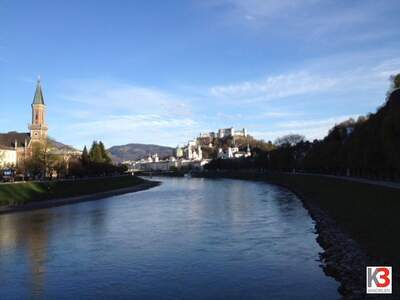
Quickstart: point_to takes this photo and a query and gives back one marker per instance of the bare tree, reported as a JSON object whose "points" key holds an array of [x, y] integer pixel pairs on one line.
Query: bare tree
{"points": [[290, 140], [395, 79]]}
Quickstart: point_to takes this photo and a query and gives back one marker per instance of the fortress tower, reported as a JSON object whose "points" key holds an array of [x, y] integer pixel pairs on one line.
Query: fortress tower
{"points": [[38, 127]]}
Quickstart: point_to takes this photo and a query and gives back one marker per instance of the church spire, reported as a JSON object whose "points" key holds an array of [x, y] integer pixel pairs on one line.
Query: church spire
{"points": [[38, 126], [38, 99]]}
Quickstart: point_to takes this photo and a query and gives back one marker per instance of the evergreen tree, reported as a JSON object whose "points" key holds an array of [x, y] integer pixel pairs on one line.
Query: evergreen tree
{"points": [[95, 153], [85, 156], [105, 157]]}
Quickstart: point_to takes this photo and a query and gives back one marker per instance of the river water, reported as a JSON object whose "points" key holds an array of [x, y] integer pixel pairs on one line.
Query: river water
{"points": [[186, 239]]}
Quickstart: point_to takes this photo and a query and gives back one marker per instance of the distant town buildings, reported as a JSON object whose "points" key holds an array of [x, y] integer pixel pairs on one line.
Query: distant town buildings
{"points": [[233, 152], [179, 152], [193, 151], [191, 155]]}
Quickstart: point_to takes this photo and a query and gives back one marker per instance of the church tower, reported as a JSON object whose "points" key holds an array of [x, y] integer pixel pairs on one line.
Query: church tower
{"points": [[38, 127]]}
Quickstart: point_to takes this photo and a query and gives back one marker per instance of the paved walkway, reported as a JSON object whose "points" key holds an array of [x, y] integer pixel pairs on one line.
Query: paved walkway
{"points": [[59, 180], [390, 184]]}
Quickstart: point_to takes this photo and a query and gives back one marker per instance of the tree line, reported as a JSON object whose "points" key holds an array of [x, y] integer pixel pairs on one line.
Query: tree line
{"points": [[45, 161], [366, 147], [95, 162]]}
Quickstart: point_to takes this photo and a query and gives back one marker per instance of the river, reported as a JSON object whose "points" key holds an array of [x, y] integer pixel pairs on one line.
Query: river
{"points": [[186, 239]]}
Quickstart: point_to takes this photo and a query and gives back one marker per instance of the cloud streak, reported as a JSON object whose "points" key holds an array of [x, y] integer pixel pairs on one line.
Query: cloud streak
{"points": [[125, 123], [310, 128], [314, 79], [315, 21], [316, 123], [108, 95], [121, 113], [275, 87], [262, 9]]}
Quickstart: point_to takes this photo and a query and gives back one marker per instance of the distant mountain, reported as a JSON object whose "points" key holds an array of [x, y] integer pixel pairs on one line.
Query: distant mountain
{"points": [[61, 146], [138, 151]]}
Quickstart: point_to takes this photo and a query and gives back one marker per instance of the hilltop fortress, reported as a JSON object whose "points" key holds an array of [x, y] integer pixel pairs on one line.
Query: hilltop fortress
{"points": [[224, 133], [197, 152]]}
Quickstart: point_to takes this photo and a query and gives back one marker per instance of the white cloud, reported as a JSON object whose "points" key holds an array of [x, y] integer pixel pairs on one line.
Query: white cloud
{"points": [[317, 22], [264, 8], [274, 87], [304, 124], [106, 95], [387, 68], [121, 113], [126, 123], [311, 128], [317, 78], [277, 114]]}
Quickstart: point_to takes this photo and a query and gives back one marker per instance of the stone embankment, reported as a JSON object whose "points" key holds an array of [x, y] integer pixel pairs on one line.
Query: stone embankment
{"points": [[342, 212]]}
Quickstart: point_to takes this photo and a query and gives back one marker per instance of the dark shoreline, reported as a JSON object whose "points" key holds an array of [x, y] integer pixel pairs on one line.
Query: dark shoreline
{"points": [[343, 258], [71, 200]]}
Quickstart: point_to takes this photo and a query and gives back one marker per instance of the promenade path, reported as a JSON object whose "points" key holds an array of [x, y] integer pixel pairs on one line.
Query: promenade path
{"points": [[389, 184]]}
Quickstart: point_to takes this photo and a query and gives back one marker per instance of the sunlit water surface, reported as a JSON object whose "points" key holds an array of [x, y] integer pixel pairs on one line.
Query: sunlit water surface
{"points": [[187, 239]]}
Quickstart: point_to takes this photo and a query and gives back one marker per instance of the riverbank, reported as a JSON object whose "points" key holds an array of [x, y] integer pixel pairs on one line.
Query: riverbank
{"points": [[161, 173], [34, 195], [354, 222]]}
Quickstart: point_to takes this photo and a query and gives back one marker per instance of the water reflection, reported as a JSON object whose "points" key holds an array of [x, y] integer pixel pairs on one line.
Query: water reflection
{"points": [[28, 233], [188, 239]]}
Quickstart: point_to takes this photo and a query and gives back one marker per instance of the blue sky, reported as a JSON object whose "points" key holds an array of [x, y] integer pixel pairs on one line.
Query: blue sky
{"points": [[163, 71]]}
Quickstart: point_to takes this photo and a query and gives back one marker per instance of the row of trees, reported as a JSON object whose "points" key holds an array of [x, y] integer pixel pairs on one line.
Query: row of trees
{"points": [[367, 147], [95, 162], [97, 154], [46, 160]]}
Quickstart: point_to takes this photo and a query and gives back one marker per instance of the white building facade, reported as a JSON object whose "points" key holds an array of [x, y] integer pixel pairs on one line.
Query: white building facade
{"points": [[224, 133], [8, 157]]}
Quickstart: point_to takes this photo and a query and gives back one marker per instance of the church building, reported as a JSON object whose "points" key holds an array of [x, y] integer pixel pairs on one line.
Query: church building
{"points": [[15, 147], [38, 128]]}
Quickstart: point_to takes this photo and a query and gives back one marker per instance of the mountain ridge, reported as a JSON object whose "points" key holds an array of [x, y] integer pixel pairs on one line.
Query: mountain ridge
{"points": [[136, 151]]}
